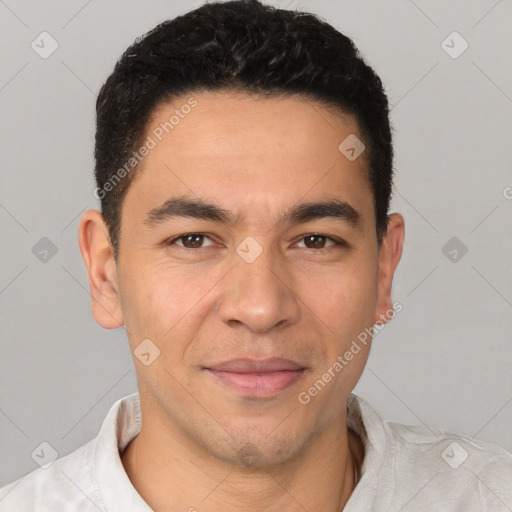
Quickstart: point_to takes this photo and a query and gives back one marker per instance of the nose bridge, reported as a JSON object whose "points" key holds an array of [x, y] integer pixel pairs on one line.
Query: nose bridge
{"points": [[259, 293], [259, 267]]}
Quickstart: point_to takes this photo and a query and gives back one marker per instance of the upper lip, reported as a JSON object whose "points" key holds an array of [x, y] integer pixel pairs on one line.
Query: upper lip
{"points": [[246, 365]]}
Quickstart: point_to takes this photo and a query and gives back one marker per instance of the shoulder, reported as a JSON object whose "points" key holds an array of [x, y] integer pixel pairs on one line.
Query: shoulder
{"points": [[409, 467], [453, 448], [434, 466], [67, 484], [88, 476]]}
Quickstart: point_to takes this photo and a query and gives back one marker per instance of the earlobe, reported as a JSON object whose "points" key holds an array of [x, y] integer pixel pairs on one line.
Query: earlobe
{"points": [[98, 257], [389, 256]]}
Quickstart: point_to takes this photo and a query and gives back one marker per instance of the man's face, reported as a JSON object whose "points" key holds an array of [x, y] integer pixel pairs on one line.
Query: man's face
{"points": [[260, 287]]}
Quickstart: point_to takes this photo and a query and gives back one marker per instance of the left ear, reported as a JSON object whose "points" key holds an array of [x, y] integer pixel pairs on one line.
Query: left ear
{"points": [[389, 255]]}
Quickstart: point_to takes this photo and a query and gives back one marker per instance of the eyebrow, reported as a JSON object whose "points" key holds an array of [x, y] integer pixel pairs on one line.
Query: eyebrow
{"points": [[184, 206]]}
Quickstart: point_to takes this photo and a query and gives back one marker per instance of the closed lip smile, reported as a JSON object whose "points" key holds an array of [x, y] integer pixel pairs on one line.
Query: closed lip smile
{"points": [[263, 378]]}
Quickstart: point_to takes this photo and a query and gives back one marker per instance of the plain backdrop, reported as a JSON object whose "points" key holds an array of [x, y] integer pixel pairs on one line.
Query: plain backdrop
{"points": [[445, 360]]}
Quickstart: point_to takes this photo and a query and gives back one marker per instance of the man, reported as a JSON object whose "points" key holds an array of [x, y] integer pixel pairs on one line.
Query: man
{"points": [[244, 166]]}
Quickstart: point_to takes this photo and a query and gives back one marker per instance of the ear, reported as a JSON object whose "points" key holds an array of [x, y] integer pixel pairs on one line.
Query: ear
{"points": [[98, 255], [389, 256]]}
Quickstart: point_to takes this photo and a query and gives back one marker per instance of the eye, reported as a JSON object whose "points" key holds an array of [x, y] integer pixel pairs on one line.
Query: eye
{"points": [[318, 241], [194, 241], [190, 240]]}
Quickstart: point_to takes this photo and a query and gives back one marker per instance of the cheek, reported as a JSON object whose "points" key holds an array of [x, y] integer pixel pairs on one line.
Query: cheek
{"points": [[144, 300], [348, 309], [165, 307], [159, 304], [346, 299]]}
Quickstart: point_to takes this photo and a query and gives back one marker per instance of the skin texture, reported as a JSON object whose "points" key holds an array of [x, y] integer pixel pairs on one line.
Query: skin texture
{"points": [[204, 445]]}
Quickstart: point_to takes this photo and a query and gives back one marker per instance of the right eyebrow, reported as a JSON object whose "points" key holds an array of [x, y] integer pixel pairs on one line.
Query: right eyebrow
{"points": [[185, 207]]}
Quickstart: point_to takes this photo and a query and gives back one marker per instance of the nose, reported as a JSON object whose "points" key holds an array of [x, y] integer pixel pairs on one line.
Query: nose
{"points": [[260, 294]]}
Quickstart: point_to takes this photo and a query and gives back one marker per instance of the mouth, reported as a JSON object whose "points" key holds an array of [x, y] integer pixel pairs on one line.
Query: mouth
{"points": [[257, 378]]}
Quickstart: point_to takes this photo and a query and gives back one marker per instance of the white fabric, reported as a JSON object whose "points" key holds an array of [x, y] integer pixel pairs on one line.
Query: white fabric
{"points": [[406, 468]]}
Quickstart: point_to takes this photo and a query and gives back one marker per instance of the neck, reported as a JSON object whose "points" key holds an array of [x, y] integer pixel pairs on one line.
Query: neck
{"points": [[169, 476]]}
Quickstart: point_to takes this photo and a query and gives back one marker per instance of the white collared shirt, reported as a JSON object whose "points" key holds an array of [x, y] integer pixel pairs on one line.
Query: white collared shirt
{"points": [[405, 468]]}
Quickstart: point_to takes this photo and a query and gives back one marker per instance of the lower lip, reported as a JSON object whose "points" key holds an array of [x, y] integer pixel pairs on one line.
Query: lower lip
{"points": [[259, 384]]}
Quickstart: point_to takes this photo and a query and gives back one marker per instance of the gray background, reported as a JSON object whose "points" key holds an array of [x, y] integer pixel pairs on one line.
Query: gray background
{"points": [[446, 358]]}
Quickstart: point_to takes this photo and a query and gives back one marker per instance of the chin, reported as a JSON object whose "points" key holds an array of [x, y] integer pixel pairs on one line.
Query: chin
{"points": [[259, 451]]}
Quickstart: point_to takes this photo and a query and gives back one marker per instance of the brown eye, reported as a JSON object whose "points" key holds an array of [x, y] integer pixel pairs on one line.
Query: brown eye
{"points": [[195, 241], [189, 241], [315, 241]]}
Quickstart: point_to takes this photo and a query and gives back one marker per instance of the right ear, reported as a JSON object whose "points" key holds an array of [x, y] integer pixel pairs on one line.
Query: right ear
{"points": [[98, 255]]}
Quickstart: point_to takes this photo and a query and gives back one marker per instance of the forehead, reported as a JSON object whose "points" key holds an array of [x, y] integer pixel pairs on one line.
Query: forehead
{"points": [[238, 123], [247, 150]]}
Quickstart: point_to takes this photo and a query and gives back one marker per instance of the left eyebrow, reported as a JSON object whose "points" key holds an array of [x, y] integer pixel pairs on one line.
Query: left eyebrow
{"points": [[336, 209], [184, 206]]}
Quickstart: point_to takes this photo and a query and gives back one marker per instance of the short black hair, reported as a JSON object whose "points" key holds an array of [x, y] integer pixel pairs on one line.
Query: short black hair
{"points": [[238, 45]]}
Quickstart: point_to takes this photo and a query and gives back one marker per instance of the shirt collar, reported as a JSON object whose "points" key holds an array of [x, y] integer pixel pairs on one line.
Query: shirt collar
{"points": [[121, 425], [362, 419]]}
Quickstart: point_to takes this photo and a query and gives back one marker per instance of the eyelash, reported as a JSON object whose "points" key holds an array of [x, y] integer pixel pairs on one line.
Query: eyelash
{"points": [[336, 241]]}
